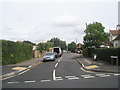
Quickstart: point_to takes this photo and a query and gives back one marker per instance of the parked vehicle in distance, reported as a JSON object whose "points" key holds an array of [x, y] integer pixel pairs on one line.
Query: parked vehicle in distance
{"points": [[58, 51], [49, 56]]}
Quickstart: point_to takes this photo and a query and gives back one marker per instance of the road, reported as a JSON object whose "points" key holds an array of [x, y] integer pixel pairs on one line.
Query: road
{"points": [[64, 72]]}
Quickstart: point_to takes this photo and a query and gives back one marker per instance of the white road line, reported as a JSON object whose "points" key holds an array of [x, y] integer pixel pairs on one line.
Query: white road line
{"points": [[100, 74], [85, 75], [104, 76], [56, 64], [44, 80], [70, 76], [16, 75], [58, 79], [59, 60], [30, 66], [73, 78], [30, 81], [12, 82], [82, 69], [23, 71], [53, 74], [116, 74], [89, 77]]}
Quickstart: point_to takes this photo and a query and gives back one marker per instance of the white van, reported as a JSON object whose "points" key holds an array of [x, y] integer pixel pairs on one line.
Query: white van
{"points": [[58, 51]]}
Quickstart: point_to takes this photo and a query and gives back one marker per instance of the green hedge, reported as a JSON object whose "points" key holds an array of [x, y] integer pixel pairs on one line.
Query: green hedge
{"points": [[13, 52], [102, 54]]}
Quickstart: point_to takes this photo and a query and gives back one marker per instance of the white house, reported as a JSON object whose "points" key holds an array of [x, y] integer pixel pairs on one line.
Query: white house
{"points": [[115, 36]]}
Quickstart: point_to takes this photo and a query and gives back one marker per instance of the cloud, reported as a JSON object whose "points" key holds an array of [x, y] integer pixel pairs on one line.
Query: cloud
{"points": [[58, 1], [66, 21]]}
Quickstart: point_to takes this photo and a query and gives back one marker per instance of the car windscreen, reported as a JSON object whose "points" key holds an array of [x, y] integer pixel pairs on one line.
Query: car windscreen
{"points": [[49, 54]]}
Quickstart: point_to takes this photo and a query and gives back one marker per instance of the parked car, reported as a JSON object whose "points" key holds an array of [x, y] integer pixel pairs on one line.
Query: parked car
{"points": [[49, 56]]}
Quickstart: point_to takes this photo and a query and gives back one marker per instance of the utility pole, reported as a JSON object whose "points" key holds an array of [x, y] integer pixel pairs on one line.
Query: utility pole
{"points": [[76, 41]]}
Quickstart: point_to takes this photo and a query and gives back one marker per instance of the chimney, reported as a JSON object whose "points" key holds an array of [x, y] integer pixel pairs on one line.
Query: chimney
{"points": [[118, 27]]}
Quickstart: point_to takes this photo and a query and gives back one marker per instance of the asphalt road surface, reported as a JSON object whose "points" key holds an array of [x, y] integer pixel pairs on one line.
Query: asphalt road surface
{"points": [[64, 72]]}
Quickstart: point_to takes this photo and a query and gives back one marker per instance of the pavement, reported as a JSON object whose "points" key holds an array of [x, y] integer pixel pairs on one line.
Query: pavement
{"points": [[87, 63], [14, 69], [97, 66]]}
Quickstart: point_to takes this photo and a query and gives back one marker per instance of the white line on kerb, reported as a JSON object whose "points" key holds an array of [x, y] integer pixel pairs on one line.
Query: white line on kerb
{"points": [[53, 74], [56, 64]]}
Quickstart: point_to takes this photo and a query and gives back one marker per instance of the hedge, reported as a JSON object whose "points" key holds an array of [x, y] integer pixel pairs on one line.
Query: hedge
{"points": [[103, 54], [13, 52]]}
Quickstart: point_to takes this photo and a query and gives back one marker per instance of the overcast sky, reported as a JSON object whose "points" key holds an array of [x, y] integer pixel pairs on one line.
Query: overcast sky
{"points": [[39, 21]]}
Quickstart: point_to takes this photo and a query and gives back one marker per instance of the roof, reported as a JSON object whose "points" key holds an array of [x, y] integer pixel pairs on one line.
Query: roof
{"points": [[117, 38], [115, 32]]}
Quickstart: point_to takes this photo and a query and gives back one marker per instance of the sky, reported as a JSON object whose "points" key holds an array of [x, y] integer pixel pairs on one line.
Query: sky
{"points": [[40, 20]]}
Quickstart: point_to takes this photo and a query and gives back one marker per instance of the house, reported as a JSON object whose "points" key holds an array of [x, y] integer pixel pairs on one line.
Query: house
{"points": [[115, 36]]}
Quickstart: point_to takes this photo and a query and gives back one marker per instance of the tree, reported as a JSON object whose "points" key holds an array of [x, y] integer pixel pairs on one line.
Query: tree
{"points": [[72, 46], [95, 35], [58, 42], [44, 46], [29, 42]]}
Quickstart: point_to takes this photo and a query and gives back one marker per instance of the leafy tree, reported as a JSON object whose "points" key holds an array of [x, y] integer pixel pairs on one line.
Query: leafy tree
{"points": [[95, 35], [72, 46], [58, 42], [44, 46], [29, 42]]}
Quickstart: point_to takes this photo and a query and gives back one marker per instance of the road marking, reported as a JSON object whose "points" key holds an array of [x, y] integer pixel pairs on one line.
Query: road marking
{"points": [[30, 66], [104, 76], [59, 60], [56, 64], [85, 75], [12, 82], [30, 81], [116, 74], [19, 68], [100, 74], [70, 76], [91, 67], [89, 77], [23, 71], [44, 80], [73, 78], [58, 79], [53, 74]]}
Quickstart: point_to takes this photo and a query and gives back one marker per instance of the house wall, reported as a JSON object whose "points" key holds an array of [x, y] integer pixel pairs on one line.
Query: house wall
{"points": [[112, 37], [116, 43]]}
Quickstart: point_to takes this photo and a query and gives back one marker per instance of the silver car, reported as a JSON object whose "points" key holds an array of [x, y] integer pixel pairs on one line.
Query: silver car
{"points": [[49, 56]]}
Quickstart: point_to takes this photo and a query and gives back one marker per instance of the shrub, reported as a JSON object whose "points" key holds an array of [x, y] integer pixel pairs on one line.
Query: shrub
{"points": [[13, 52], [103, 54]]}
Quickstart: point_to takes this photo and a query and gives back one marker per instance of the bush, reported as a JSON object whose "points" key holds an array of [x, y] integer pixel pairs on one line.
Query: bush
{"points": [[103, 54], [13, 52]]}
